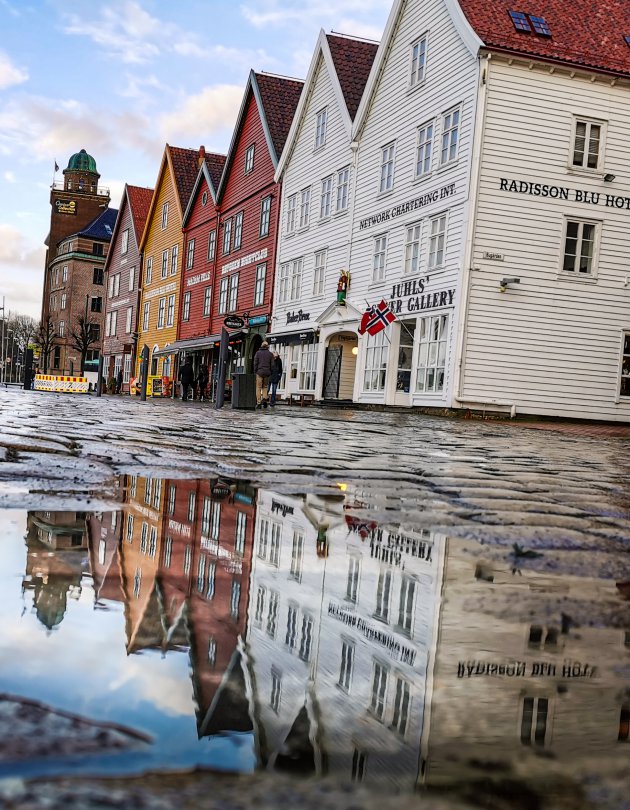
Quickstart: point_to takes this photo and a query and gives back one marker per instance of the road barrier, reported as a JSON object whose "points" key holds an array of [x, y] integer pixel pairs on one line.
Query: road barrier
{"points": [[67, 385]]}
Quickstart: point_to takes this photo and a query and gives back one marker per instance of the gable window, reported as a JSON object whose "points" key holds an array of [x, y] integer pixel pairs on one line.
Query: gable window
{"points": [[624, 389], [212, 245], [423, 151], [233, 294], [129, 321], [380, 253], [227, 236], [432, 354], [412, 249], [376, 362], [238, 231], [343, 188], [418, 61], [320, 129], [450, 135], [265, 213], [186, 307], [124, 242], [174, 256], [534, 726], [207, 297], [148, 273], [587, 144], [190, 255], [259, 286], [326, 197], [204, 199], [164, 216], [305, 206], [249, 159], [132, 278], [319, 272], [579, 248], [540, 26], [161, 312], [164, 263], [387, 167], [437, 239], [291, 206]]}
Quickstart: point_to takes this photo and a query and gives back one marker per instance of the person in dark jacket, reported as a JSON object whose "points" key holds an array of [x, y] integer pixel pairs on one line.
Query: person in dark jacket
{"points": [[119, 381], [276, 376], [202, 381], [186, 377], [262, 369]]}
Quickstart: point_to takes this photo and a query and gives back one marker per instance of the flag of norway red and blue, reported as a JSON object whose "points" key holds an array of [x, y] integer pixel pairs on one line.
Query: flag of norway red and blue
{"points": [[376, 318]]}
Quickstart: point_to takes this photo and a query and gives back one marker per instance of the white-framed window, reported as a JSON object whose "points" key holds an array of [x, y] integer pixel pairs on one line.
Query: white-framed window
{"points": [[132, 278], [437, 240], [624, 386], [259, 285], [235, 598], [347, 665], [321, 125], [157, 493], [164, 216], [227, 236], [383, 595], [292, 618], [130, 519], [192, 501], [164, 263], [216, 520], [137, 583], [187, 559], [172, 494], [128, 321], [450, 135], [319, 272], [241, 529], [62, 329], [148, 271], [535, 721], [233, 293], [223, 295], [146, 315], [424, 149], [325, 204], [291, 211], [265, 216], [401, 706], [375, 362], [249, 158], [387, 167], [170, 312], [580, 240], [174, 257], [238, 230], [305, 207], [306, 641], [113, 328], [274, 545], [296, 279], [276, 690], [259, 610], [352, 581], [432, 353], [379, 690], [412, 248], [272, 613], [204, 199], [297, 554], [588, 144], [201, 573], [127, 369], [161, 313], [308, 366], [166, 367], [263, 539], [144, 534], [64, 273], [206, 513], [283, 279], [207, 300], [64, 299], [190, 255], [212, 245], [343, 189], [168, 552], [418, 60], [152, 541], [380, 257], [406, 604], [186, 307], [212, 574]]}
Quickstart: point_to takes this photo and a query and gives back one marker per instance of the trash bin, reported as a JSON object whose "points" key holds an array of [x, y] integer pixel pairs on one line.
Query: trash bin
{"points": [[244, 391]]}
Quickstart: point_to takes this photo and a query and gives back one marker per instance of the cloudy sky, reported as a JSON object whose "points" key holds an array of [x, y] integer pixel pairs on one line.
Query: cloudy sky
{"points": [[120, 79]]}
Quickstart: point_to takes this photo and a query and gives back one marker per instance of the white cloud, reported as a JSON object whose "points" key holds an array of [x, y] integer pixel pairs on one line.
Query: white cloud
{"points": [[9, 177], [9, 73], [262, 13], [21, 271], [209, 113]]}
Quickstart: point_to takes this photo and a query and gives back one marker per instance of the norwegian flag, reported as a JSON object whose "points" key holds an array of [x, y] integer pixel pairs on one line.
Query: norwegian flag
{"points": [[376, 318]]}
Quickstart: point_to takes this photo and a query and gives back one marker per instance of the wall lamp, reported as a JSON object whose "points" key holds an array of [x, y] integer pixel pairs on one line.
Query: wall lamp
{"points": [[608, 178], [505, 282]]}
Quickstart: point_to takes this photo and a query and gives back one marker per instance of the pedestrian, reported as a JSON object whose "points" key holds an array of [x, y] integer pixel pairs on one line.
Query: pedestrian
{"points": [[262, 369], [119, 381], [276, 376], [202, 381], [186, 377]]}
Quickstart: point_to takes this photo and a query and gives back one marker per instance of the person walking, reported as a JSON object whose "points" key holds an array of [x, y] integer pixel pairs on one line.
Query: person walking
{"points": [[186, 377], [202, 381], [276, 376], [119, 381], [262, 369]]}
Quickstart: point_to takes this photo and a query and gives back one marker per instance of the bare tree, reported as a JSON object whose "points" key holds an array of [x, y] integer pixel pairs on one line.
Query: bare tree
{"points": [[84, 335], [45, 337], [24, 330]]}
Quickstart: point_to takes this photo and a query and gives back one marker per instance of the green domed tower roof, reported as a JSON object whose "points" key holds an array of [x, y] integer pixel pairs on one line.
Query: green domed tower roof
{"points": [[81, 162]]}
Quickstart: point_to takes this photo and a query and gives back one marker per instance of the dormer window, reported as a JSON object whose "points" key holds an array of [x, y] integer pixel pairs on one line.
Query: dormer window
{"points": [[521, 23], [528, 23], [539, 24]]}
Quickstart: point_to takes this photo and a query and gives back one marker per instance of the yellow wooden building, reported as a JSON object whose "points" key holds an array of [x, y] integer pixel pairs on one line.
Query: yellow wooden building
{"points": [[162, 248]]}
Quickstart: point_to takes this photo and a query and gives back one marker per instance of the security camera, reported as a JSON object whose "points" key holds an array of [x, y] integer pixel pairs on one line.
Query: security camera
{"points": [[503, 284]]}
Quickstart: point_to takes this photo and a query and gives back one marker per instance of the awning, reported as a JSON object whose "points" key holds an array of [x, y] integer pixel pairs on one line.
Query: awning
{"points": [[305, 336], [190, 345]]}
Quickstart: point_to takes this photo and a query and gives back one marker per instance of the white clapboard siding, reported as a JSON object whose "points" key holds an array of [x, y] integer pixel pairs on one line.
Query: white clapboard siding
{"points": [[395, 112], [552, 343]]}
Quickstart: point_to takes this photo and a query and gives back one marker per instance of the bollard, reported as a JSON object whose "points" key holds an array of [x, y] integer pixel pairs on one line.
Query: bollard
{"points": [[144, 373], [222, 373]]}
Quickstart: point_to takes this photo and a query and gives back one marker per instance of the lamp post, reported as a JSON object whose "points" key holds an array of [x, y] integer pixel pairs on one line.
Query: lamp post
{"points": [[2, 376], [10, 332]]}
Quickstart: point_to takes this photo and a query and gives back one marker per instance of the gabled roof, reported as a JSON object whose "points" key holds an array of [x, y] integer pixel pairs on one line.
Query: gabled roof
{"points": [[277, 99], [211, 171], [138, 200], [102, 227], [587, 33]]}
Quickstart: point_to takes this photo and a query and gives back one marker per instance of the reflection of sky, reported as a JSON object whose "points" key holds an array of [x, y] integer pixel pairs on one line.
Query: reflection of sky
{"points": [[82, 666]]}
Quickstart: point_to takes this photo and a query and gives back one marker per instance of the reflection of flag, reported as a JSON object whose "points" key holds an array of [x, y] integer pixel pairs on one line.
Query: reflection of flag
{"points": [[56, 167], [376, 318], [364, 528]]}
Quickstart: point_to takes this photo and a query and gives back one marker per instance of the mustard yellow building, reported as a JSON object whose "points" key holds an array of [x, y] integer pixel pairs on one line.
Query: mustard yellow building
{"points": [[161, 248]]}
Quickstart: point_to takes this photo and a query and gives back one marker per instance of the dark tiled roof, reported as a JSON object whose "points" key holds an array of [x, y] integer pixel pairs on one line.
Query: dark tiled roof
{"points": [[589, 33], [279, 98], [140, 203], [102, 227], [353, 60], [186, 168], [215, 164]]}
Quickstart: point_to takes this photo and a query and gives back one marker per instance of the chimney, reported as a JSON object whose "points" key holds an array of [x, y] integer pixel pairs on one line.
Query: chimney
{"points": [[202, 156]]}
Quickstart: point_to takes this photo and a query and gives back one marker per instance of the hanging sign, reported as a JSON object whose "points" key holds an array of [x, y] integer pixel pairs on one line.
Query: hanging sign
{"points": [[234, 322]]}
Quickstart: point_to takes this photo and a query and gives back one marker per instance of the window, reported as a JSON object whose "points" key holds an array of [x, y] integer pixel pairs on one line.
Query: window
{"points": [[64, 299], [265, 211], [241, 528], [296, 279], [375, 362], [204, 199], [543, 638], [170, 314], [534, 720], [223, 293], [380, 253], [352, 582], [172, 494], [326, 197], [164, 263], [260, 605], [192, 498], [212, 245], [406, 604], [212, 651], [233, 294], [249, 158], [418, 61], [306, 641], [148, 273], [297, 552], [132, 278], [97, 275], [291, 208], [291, 636], [143, 538], [276, 687], [62, 329], [579, 248], [114, 285], [320, 128], [145, 315], [432, 354], [216, 521], [383, 593], [263, 539], [347, 661], [64, 273], [174, 257], [379, 689], [130, 519], [187, 559], [401, 706], [272, 614], [201, 574], [540, 26], [186, 307], [274, 546], [290, 281], [112, 323], [227, 236], [359, 759], [152, 541], [137, 582], [319, 273], [157, 493], [521, 23], [212, 571], [57, 357], [127, 369], [387, 167], [161, 313], [235, 599], [437, 237], [450, 136], [97, 249], [128, 320], [343, 188], [308, 366], [97, 304], [238, 231], [423, 150], [587, 144], [624, 388], [305, 206], [207, 298], [412, 249], [124, 242], [164, 216], [259, 286], [190, 255]]}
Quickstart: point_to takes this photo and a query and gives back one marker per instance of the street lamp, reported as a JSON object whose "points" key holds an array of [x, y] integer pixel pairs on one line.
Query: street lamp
{"points": [[10, 332]]}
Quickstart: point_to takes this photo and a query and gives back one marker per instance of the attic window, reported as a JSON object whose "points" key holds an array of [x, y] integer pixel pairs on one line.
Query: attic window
{"points": [[521, 23], [539, 24]]}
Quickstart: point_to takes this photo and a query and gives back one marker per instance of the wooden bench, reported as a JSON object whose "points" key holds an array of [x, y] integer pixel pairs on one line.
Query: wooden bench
{"points": [[301, 399]]}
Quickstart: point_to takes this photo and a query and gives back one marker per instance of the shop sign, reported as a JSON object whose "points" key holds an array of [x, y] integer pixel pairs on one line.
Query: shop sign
{"points": [[198, 279], [525, 669], [410, 296], [298, 317], [406, 208], [66, 206], [376, 634], [258, 320], [563, 193], [234, 322], [276, 506], [494, 257], [163, 290], [220, 491], [259, 255]]}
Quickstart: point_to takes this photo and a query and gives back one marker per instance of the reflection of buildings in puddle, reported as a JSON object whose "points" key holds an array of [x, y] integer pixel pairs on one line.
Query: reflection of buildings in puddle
{"points": [[104, 534], [55, 562]]}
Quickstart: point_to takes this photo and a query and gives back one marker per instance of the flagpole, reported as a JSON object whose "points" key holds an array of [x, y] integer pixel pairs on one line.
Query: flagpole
{"points": [[55, 170], [386, 335]]}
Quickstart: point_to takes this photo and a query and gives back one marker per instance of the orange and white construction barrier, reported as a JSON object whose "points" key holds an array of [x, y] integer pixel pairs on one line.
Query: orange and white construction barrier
{"points": [[67, 385]]}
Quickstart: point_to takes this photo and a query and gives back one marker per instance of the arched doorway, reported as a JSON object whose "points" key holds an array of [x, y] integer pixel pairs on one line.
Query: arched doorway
{"points": [[154, 361], [340, 365]]}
